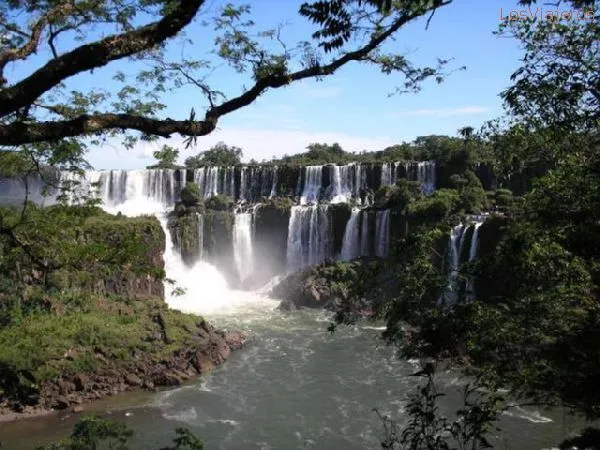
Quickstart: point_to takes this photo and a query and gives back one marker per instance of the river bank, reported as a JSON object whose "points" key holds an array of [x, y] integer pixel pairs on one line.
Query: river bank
{"points": [[205, 349]]}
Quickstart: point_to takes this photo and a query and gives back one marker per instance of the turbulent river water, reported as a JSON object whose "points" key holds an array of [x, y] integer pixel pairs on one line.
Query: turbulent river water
{"points": [[294, 386]]}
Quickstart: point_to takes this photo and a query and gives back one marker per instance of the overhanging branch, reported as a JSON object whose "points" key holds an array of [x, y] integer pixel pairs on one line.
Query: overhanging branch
{"points": [[19, 133], [94, 55]]}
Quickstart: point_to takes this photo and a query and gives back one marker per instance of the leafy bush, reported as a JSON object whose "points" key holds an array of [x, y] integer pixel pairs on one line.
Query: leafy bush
{"points": [[93, 433], [434, 208], [473, 199], [219, 203], [191, 195]]}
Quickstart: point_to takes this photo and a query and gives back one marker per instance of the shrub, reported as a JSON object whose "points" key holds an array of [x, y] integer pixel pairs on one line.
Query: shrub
{"points": [[218, 203], [191, 195], [473, 199], [434, 208]]}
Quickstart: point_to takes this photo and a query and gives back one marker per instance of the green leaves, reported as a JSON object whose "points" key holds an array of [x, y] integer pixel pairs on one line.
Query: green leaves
{"points": [[219, 155], [166, 157], [93, 433]]}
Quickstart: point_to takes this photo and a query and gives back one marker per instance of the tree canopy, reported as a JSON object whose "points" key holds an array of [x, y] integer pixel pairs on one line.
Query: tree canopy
{"points": [[166, 157], [219, 155]]}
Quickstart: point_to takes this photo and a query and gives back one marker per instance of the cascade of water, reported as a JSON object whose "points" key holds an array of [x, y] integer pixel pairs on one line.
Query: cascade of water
{"points": [[227, 182], [386, 174], [364, 234], [455, 249], [244, 183], [312, 184], [426, 176], [199, 176], [351, 241], [470, 289], [212, 182], [309, 236], [200, 225], [342, 186], [209, 182], [382, 233], [242, 245], [273, 192], [360, 183]]}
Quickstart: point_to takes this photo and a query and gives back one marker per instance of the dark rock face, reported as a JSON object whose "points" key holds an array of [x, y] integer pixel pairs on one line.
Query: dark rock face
{"points": [[270, 239], [209, 348], [347, 287]]}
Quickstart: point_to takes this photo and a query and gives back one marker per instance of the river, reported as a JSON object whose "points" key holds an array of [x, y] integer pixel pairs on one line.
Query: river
{"points": [[295, 386]]}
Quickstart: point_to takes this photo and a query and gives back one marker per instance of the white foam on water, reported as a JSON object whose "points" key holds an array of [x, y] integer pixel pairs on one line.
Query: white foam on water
{"points": [[531, 416]]}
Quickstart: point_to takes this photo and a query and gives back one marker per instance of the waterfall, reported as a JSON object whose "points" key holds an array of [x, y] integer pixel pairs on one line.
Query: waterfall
{"points": [[309, 236], [382, 233], [364, 234], [389, 174], [470, 290], [242, 245], [312, 184], [130, 188], [200, 225], [275, 182], [426, 176], [342, 186], [257, 182], [360, 177], [351, 242], [455, 245], [244, 183]]}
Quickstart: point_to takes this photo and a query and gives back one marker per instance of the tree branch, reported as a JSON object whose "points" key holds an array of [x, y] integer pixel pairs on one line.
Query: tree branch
{"points": [[34, 38], [97, 54], [22, 133], [276, 81], [116, 47]]}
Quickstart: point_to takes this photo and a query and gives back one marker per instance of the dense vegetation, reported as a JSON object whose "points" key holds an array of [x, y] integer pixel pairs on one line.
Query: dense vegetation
{"points": [[82, 293]]}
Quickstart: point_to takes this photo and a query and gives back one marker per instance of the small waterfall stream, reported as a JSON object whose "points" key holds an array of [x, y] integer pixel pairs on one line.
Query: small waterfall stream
{"points": [[242, 245], [470, 289], [312, 185], [351, 242], [309, 236], [382, 233]]}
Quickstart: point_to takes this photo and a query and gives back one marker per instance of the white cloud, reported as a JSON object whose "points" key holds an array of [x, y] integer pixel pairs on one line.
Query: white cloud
{"points": [[444, 112], [256, 143]]}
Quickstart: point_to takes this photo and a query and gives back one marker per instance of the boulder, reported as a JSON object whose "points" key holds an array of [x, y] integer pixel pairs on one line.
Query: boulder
{"points": [[133, 380]]}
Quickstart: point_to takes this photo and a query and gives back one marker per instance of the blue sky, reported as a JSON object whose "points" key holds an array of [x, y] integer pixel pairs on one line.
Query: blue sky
{"points": [[352, 107]]}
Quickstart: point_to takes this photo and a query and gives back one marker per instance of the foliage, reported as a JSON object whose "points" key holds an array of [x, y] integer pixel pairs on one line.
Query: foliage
{"points": [[558, 81], [85, 327], [93, 433], [44, 106], [185, 440], [427, 429], [434, 208], [166, 157], [400, 195], [219, 203], [82, 240], [219, 155], [191, 195]]}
